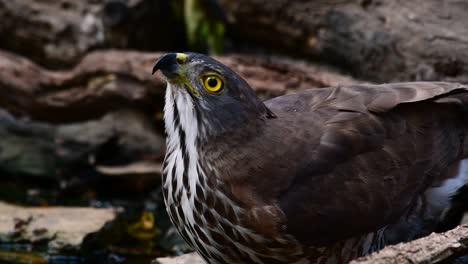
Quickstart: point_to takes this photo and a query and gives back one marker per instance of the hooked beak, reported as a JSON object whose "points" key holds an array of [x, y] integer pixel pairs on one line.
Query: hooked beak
{"points": [[172, 66], [167, 64]]}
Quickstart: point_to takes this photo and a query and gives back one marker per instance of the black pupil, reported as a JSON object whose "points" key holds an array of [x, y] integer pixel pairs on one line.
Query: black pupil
{"points": [[212, 82]]}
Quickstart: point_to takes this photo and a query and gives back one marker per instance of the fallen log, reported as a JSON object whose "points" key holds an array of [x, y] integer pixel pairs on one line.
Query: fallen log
{"points": [[102, 112], [435, 248], [59, 33], [105, 81], [380, 41], [101, 83]]}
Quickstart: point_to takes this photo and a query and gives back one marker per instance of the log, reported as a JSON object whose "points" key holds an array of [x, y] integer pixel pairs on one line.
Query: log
{"points": [[59, 33], [376, 40], [104, 110], [435, 248], [101, 83], [380, 41], [106, 81]]}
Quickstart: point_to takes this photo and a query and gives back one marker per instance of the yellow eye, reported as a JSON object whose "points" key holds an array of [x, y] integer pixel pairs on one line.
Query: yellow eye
{"points": [[213, 83]]}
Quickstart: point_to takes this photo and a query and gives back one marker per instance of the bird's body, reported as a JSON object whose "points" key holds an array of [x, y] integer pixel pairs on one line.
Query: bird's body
{"points": [[313, 177]]}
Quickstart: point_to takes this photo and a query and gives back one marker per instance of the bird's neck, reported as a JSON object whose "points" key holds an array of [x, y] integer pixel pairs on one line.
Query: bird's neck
{"points": [[182, 129], [189, 141], [187, 179], [187, 162]]}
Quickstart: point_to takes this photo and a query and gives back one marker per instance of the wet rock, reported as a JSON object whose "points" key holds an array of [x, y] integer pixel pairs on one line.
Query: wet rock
{"points": [[60, 227], [191, 258], [43, 150]]}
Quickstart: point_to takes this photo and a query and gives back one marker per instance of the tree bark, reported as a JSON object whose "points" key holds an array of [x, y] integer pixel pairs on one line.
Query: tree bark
{"points": [[108, 108], [105, 81], [59, 33], [381, 41], [435, 248], [376, 40]]}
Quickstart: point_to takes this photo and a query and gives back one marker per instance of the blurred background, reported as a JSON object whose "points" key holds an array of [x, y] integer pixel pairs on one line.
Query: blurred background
{"points": [[81, 131]]}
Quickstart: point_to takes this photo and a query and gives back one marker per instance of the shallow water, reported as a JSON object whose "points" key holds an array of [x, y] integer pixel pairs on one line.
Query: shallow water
{"points": [[129, 245], [32, 254], [29, 254]]}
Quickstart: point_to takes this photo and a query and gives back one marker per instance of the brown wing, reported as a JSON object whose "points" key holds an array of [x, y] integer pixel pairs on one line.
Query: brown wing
{"points": [[345, 161]]}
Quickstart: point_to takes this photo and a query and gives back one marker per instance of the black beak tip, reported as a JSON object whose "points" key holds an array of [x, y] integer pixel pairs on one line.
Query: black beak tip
{"points": [[165, 62], [155, 68]]}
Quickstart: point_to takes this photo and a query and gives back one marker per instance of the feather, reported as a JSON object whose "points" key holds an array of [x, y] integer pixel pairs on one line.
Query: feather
{"points": [[349, 160]]}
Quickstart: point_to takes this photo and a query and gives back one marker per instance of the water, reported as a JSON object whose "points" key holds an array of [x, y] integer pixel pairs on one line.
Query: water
{"points": [[141, 233]]}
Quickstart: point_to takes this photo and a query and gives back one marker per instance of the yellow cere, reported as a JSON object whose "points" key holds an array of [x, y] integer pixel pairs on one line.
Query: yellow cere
{"points": [[181, 58], [213, 83]]}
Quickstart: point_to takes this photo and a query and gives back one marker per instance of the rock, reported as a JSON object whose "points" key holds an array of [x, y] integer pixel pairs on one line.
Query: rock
{"points": [[44, 150], [191, 258], [61, 227], [26, 147], [129, 135]]}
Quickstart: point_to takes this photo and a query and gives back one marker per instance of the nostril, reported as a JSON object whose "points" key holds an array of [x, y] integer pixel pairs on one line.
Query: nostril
{"points": [[181, 58]]}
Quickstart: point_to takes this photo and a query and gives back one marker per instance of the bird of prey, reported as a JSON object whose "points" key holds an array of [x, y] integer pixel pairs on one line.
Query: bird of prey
{"points": [[319, 176]]}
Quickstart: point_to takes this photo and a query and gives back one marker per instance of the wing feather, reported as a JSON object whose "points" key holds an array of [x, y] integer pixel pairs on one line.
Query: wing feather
{"points": [[377, 148]]}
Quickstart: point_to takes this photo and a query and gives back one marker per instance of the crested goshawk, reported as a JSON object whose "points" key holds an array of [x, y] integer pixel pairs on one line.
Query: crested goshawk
{"points": [[319, 176]]}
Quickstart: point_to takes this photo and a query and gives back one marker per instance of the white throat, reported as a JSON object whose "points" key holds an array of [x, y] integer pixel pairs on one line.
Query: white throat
{"points": [[182, 130]]}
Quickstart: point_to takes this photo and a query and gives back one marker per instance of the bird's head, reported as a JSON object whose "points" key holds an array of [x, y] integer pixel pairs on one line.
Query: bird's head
{"points": [[218, 97]]}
